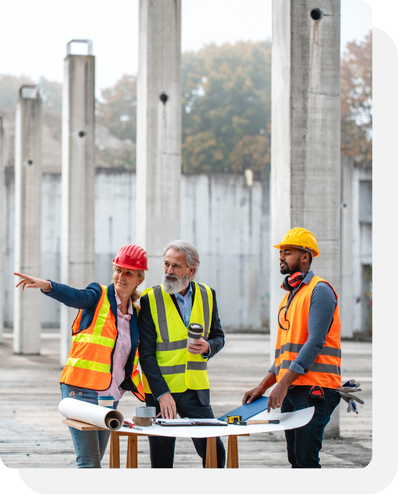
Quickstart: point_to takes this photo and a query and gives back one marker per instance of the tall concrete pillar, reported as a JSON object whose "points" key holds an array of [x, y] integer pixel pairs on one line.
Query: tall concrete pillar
{"points": [[346, 299], [158, 143], [28, 186], [357, 251], [305, 149], [2, 226], [77, 235]]}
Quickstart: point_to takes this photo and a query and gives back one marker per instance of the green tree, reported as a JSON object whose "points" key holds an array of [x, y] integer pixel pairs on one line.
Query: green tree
{"points": [[117, 110], [226, 107], [9, 88], [356, 100], [51, 94]]}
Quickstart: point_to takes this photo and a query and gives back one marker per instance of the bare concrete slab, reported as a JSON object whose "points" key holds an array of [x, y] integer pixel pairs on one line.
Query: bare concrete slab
{"points": [[32, 435]]}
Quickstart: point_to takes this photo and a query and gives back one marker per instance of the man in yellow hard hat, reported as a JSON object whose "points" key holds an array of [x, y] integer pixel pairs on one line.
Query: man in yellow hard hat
{"points": [[306, 369]]}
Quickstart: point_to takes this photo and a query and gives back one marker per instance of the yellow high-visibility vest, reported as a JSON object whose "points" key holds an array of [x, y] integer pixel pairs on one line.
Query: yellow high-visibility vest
{"points": [[181, 369]]}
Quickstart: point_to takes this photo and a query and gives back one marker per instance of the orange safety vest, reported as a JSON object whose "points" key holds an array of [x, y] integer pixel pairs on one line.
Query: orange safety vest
{"points": [[325, 371], [89, 360]]}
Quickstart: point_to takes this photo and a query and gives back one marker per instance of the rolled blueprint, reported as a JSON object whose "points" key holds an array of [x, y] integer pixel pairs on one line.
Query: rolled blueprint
{"points": [[100, 416]]}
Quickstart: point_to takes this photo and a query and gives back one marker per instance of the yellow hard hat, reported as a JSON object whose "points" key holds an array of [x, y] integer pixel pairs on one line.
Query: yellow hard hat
{"points": [[300, 238]]}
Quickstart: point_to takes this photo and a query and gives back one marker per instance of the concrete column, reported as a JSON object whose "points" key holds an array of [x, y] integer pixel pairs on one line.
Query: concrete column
{"points": [[28, 184], [77, 236], [158, 144], [357, 261], [346, 300], [2, 226], [305, 149]]}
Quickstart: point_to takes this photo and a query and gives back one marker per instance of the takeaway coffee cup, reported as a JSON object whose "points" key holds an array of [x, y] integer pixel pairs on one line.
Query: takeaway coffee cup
{"points": [[144, 415], [195, 331], [106, 401]]}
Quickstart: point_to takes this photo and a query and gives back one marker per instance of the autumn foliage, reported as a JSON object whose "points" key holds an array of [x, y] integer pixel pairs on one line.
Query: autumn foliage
{"points": [[117, 108], [226, 107], [356, 100]]}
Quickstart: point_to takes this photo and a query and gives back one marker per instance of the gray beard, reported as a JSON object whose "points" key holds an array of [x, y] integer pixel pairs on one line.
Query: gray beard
{"points": [[172, 287]]}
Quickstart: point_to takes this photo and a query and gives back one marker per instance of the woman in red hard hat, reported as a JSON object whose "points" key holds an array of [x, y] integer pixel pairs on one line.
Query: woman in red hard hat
{"points": [[104, 354]]}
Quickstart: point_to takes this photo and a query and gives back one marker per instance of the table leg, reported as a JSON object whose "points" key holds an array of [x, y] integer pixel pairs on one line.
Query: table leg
{"points": [[131, 453], [233, 458], [211, 457], [114, 451]]}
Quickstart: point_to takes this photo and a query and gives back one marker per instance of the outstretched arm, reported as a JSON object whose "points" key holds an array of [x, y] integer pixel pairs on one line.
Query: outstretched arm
{"points": [[31, 282], [71, 297]]}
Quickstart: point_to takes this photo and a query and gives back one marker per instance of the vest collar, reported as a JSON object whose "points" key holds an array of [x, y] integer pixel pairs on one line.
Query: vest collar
{"points": [[113, 302], [309, 276], [193, 289], [134, 325], [306, 281]]}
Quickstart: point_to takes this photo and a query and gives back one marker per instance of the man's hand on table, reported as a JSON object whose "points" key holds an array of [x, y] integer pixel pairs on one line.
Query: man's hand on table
{"points": [[253, 394], [258, 391], [167, 406]]}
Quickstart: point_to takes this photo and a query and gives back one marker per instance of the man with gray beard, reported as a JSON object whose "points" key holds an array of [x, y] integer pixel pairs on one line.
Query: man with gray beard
{"points": [[175, 377]]}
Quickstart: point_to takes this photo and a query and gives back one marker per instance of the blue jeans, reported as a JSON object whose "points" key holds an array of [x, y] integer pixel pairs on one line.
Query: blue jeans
{"points": [[305, 443], [90, 446]]}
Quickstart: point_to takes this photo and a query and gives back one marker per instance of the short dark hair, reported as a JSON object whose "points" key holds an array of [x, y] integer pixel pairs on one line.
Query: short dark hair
{"points": [[310, 254]]}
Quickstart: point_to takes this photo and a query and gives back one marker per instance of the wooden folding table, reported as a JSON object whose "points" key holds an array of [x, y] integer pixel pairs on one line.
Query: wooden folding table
{"points": [[287, 421]]}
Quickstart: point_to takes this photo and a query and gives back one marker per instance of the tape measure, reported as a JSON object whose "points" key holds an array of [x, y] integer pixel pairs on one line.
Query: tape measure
{"points": [[233, 419]]}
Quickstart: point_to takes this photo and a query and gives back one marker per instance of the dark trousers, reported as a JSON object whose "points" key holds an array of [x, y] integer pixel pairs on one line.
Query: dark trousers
{"points": [[162, 449], [305, 443]]}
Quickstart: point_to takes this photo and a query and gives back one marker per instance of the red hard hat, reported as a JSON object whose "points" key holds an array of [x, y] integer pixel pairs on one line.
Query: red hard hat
{"points": [[131, 257]]}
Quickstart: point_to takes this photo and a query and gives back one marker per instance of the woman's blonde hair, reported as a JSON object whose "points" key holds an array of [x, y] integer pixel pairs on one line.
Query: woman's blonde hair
{"points": [[136, 294]]}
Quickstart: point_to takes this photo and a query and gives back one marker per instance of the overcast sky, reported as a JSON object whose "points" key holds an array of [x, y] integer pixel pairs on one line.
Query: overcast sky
{"points": [[35, 32]]}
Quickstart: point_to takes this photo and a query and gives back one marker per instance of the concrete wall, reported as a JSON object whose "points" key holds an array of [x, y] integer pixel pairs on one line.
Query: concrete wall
{"points": [[346, 235], [362, 245], [220, 215], [2, 217], [356, 247], [229, 223]]}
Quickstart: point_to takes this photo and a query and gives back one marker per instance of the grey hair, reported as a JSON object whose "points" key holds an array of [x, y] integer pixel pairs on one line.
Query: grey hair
{"points": [[191, 254]]}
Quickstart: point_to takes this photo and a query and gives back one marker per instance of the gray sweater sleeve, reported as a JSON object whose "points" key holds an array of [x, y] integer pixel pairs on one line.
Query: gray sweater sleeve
{"points": [[322, 308]]}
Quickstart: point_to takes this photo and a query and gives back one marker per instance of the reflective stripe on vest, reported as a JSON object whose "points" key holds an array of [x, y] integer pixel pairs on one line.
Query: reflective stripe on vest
{"points": [[325, 371], [180, 369], [89, 360], [136, 377]]}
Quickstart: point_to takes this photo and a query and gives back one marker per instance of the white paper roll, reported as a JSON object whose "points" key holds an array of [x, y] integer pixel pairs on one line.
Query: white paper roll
{"points": [[101, 416]]}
